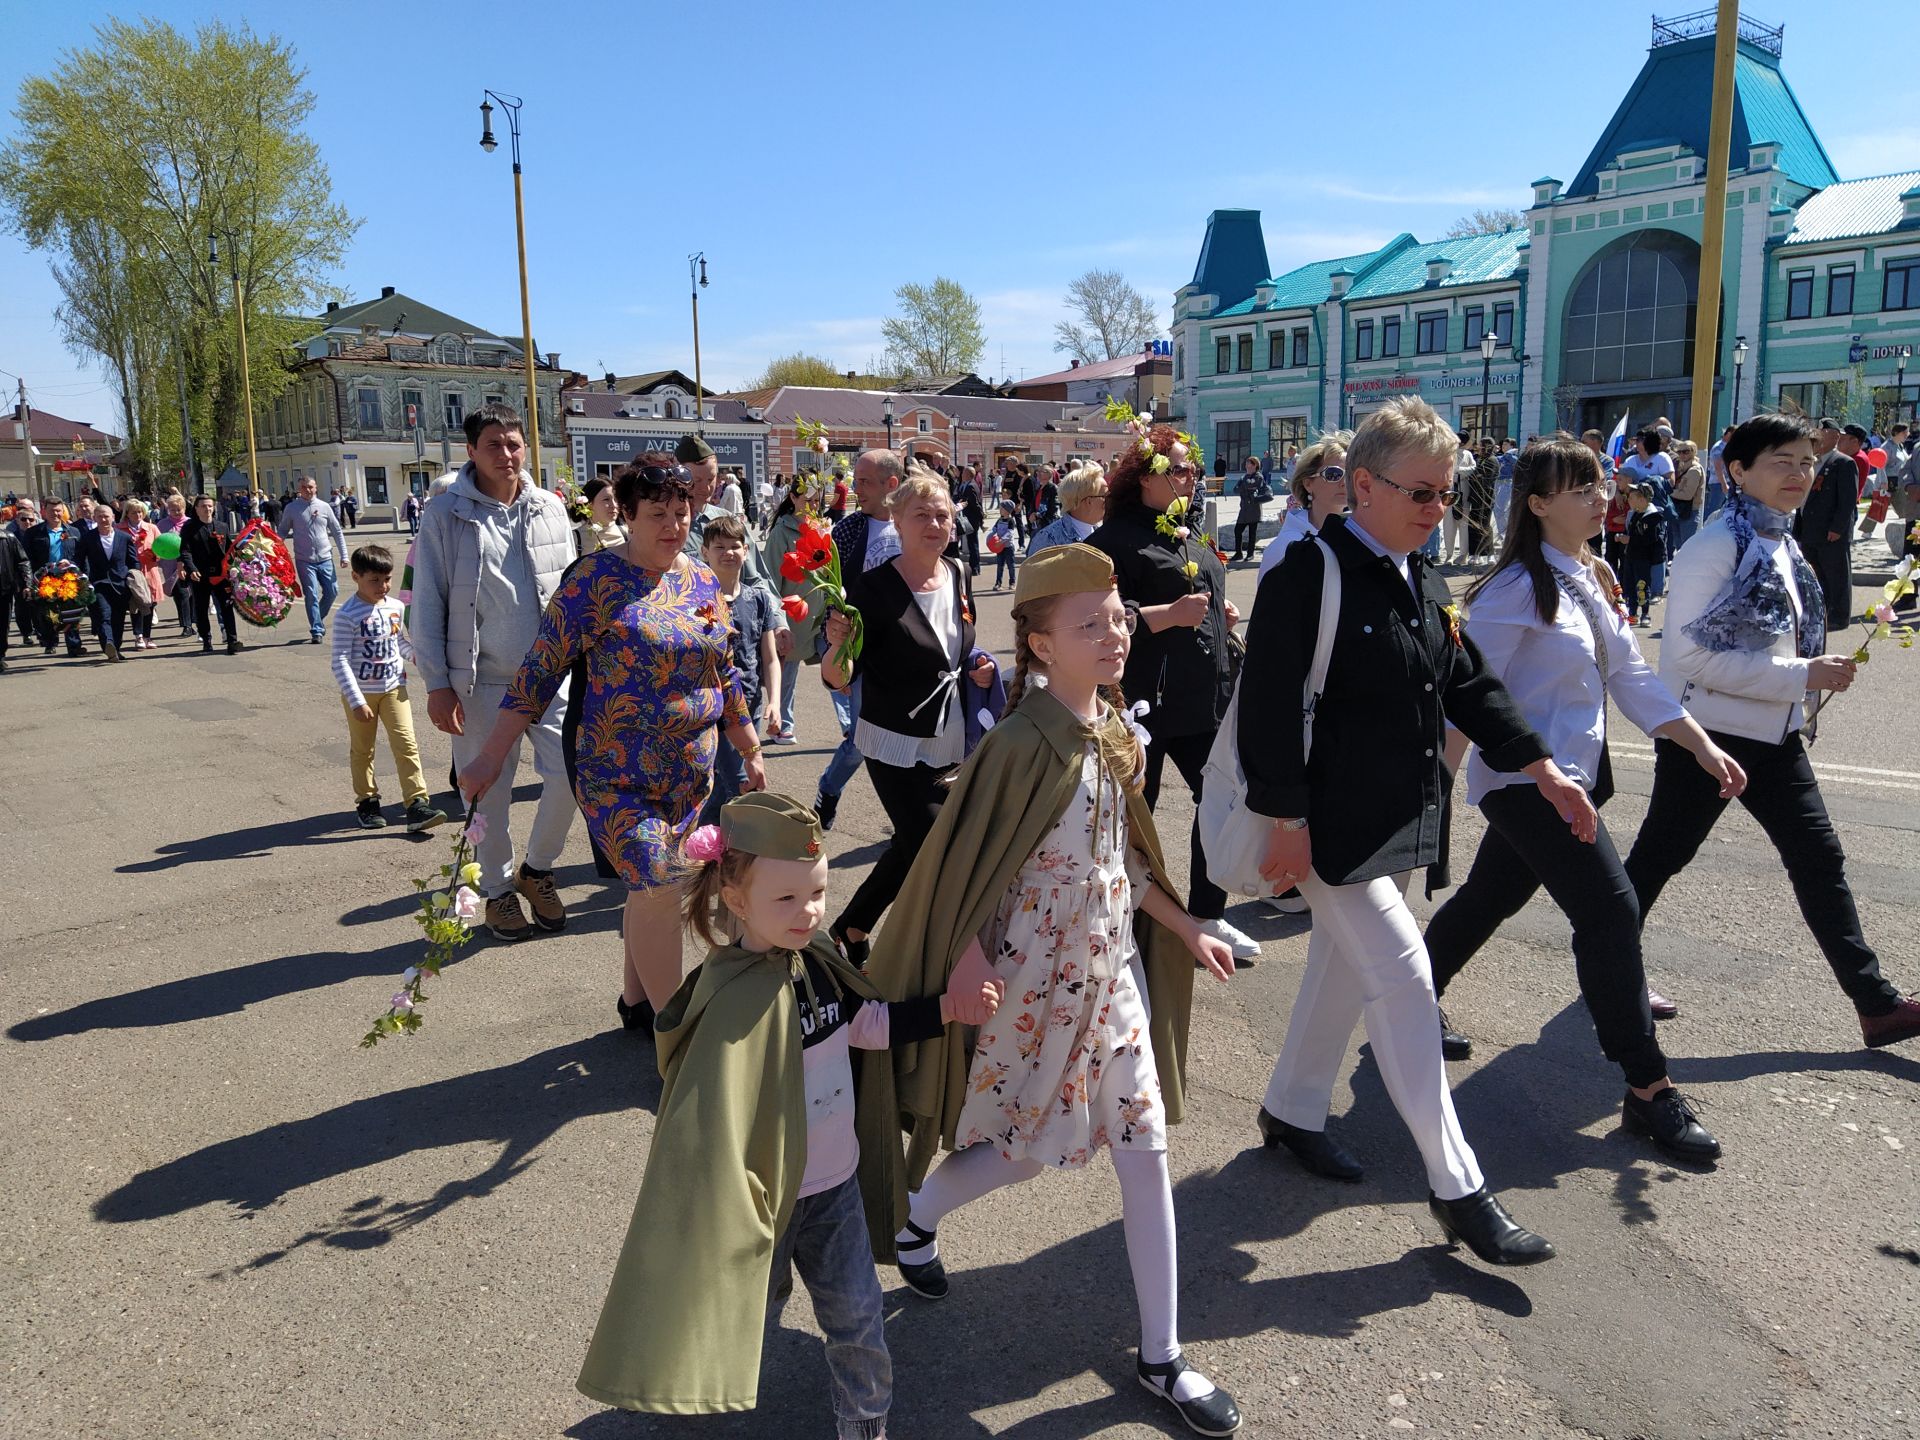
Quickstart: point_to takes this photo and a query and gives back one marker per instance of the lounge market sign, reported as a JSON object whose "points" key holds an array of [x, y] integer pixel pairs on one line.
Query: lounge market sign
{"points": [[1386, 386]]}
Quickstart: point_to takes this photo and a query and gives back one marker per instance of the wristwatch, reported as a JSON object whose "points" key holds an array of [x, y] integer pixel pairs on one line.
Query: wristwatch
{"points": [[1299, 823]]}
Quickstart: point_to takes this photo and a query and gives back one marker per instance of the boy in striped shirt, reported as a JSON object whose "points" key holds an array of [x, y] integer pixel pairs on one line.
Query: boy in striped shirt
{"points": [[370, 654]]}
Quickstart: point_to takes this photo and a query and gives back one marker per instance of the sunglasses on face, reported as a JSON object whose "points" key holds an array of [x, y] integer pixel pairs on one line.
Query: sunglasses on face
{"points": [[1329, 472], [1182, 471], [1424, 495]]}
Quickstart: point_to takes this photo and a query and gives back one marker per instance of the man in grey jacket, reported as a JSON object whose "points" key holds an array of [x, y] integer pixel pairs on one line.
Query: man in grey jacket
{"points": [[313, 530], [491, 552]]}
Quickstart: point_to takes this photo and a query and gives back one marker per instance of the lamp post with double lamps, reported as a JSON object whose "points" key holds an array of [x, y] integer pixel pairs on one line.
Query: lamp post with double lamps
{"points": [[886, 410], [1488, 341], [696, 282], [240, 318], [1739, 365], [511, 104]]}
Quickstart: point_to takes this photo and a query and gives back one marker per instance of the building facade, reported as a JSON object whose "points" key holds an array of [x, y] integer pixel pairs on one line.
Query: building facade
{"points": [[66, 456], [606, 431], [1592, 299], [379, 394]]}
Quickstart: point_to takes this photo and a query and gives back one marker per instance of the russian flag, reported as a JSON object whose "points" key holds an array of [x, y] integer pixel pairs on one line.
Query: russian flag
{"points": [[1617, 442]]}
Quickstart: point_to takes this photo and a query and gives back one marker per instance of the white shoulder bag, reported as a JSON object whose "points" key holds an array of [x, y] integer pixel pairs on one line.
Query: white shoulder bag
{"points": [[1234, 837]]}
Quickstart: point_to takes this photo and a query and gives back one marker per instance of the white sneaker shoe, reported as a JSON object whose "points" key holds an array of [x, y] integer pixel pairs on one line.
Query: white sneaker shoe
{"points": [[1244, 946], [1291, 904]]}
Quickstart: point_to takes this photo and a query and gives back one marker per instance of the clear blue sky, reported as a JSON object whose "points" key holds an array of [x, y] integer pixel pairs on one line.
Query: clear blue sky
{"points": [[823, 154]]}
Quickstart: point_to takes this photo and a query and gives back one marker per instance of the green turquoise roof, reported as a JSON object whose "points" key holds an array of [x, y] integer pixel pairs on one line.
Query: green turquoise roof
{"points": [[1304, 285], [1670, 103], [1853, 207], [1477, 259]]}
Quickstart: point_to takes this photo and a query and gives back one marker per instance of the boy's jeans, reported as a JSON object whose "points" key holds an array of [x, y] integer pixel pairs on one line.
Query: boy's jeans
{"points": [[845, 761], [1655, 578], [826, 1241]]}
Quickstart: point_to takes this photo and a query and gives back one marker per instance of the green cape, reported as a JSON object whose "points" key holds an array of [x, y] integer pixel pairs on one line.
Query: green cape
{"points": [[1011, 792], [684, 1318]]}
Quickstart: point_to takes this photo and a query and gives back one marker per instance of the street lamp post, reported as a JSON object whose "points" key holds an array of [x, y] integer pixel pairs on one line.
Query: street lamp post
{"points": [[697, 281], [1739, 365], [1488, 340], [246, 373], [511, 104], [1900, 387], [886, 409]]}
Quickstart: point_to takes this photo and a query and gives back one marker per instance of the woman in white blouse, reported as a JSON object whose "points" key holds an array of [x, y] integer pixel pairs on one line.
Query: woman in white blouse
{"points": [[1546, 621]]}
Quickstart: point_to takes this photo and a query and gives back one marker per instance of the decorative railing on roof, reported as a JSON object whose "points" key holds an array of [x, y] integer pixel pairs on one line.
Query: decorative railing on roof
{"points": [[1701, 22]]}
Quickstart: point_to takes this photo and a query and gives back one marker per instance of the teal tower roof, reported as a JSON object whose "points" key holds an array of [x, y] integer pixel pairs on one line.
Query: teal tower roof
{"points": [[1671, 101], [1233, 257]]}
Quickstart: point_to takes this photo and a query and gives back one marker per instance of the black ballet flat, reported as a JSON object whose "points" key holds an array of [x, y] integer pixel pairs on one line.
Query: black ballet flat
{"points": [[1482, 1224], [634, 1017], [1316, 1151], [1211, 1414], [928, 1280]]}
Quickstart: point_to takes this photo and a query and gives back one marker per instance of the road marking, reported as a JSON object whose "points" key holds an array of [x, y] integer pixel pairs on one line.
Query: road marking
{"points": [[1840, 774]]}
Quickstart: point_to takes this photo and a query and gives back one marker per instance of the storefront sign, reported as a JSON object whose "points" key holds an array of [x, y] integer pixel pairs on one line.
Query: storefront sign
{"points": [[743, 452], [1386, 386], [1858, 353]]}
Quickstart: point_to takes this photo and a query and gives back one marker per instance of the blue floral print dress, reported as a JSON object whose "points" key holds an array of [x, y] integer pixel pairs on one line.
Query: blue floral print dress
{"points": [[660, 685]]}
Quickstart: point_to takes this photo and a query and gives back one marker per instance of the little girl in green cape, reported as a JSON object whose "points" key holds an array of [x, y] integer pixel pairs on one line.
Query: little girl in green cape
{"points": [[758, 1163]]}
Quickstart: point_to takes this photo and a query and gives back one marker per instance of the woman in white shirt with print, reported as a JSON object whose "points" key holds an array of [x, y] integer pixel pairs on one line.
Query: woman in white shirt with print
{"points": [[1546, 622]]}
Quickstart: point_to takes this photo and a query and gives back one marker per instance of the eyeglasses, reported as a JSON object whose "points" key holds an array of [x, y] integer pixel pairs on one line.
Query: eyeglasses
{"points": [[1182, 470], [1586, 494], [1424, 495], [1101, 627]]}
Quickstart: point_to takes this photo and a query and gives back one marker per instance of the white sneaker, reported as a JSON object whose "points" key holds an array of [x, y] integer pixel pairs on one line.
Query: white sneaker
{"points": [[1294, 904], [1244, 946]]}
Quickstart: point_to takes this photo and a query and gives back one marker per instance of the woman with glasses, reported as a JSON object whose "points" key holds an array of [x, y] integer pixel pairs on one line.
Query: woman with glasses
{"points": [[1546, 625], [1364, 805], [1083, 505], [1745, 646], [1318, 489], [1179, 664], [652, 628]]}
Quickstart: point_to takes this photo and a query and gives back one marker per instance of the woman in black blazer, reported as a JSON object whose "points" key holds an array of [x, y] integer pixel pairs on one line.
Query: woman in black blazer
{"points": [[917, 657], [1366, 805]]}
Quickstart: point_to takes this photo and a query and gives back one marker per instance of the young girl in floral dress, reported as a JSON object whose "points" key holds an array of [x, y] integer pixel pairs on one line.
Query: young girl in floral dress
{"points": [[1046, 830]]}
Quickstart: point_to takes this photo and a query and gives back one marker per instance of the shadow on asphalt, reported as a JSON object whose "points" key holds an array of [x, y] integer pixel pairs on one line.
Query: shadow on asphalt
{"points": [[227, 992], [517, 1107]]}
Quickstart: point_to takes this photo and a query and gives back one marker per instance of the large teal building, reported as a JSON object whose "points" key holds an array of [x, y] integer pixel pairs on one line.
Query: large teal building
{"points": [[1592, 298]]}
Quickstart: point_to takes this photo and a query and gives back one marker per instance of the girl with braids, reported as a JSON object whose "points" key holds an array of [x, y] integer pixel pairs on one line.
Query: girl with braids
{"points": [[1029, 884], [1546, 626]]}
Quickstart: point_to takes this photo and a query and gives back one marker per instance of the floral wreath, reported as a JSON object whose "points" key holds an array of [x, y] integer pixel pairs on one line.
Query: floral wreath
{"points": [[1175, 522]]}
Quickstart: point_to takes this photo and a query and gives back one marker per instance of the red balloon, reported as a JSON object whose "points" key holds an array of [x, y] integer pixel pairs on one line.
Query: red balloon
{"points": [[1877, 458]]}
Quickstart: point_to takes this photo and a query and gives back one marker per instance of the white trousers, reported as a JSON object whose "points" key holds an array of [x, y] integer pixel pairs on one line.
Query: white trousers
{"points": [[1453, 531], [1366, 960], [554, 816]]}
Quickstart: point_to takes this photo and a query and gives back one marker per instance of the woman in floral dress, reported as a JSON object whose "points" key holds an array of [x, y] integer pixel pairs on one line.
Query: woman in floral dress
{"points": [[654, 633]]}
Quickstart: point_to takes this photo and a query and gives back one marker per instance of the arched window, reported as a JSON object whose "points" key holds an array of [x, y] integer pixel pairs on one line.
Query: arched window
{"points": [[449, 351], [1631, 315], [673, 410]]}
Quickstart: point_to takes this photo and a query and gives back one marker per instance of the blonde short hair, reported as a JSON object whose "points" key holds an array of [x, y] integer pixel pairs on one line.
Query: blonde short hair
{"points": [[1081, 486], [1308, 462], [922, 483], [1404, 428], [1685, 446], [131, 509]]}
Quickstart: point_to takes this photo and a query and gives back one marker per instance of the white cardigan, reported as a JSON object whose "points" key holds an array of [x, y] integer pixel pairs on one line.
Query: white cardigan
{"points": [[1756, 694]]}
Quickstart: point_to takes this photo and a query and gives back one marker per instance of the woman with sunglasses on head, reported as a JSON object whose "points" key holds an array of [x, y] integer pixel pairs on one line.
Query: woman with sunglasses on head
{"points": [[1364, 805], [1180, 665], [1745, 646], [1546, 624]]}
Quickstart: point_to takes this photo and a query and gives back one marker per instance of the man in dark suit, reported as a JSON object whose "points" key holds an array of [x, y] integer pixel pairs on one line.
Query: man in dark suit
{"points": [[52, 540], [1824, 526], [106, 554]]}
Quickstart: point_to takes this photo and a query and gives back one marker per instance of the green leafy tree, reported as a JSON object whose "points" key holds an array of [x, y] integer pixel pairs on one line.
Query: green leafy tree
{"points": [[1114, 318], [801, 368], [937, 332], [128, 157]]}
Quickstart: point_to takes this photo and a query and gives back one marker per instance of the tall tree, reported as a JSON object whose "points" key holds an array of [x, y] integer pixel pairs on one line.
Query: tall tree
{"points": [[937, 332], [1115, 318], [1484, 222], [129, 156], [801, 368]]}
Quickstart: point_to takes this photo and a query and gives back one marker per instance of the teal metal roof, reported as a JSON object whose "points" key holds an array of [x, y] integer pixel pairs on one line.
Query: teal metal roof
{"points": [[1853, 207], [1477, 259], [1671, 100], [1233, 257], [1304, 285]]}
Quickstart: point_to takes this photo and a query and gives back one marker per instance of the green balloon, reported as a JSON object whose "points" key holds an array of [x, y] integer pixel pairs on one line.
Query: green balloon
{"points": [[167, 546]]}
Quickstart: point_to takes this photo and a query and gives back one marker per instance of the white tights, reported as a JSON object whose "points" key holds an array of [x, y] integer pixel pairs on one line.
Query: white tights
{"points": [[1146, 1205]]}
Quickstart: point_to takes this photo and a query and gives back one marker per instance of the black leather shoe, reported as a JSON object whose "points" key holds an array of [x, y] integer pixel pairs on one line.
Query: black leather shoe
{"points": [[928, 1279], [825, 807], [634, 1017], [1211, 1414], [1453, 1045], [1668, 1120], [1481, 1223], [1314, 1149]]}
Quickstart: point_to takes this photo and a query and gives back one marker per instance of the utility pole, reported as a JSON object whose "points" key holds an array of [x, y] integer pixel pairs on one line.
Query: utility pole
{"points": [[1713, 229], [194, 483], [26, 430]]}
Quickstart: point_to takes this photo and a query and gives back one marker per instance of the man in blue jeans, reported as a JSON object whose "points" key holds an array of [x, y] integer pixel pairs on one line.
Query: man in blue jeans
{"points": [[313, 530]]}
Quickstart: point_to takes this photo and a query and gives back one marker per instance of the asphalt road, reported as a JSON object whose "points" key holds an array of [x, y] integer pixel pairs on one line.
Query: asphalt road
{"points": [[222, 1219]]}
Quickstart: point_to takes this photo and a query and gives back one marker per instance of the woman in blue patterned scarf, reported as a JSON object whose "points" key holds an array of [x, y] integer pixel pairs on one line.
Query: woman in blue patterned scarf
{"points": [[1745, 643]]}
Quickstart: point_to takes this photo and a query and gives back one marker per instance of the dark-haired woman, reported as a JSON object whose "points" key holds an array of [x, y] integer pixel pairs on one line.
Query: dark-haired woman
{"points": [[1546, 624], [1745, 643], [601, 529], [653, 629]]}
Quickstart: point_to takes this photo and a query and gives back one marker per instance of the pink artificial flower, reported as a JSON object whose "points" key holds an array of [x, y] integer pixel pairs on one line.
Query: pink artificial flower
{"points": [[403, 1001], [466, 904], [705, 844], [476, 830], [1883, 612]]}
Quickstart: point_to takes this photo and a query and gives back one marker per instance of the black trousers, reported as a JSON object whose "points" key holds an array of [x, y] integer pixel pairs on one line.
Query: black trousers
{"points": [[1250, 527], [1528, 845], [7, 612], [109, 615], [912, 797], [183, 603], [1832, 562], [1783, 796], [220, 598], [1205, 900]]}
